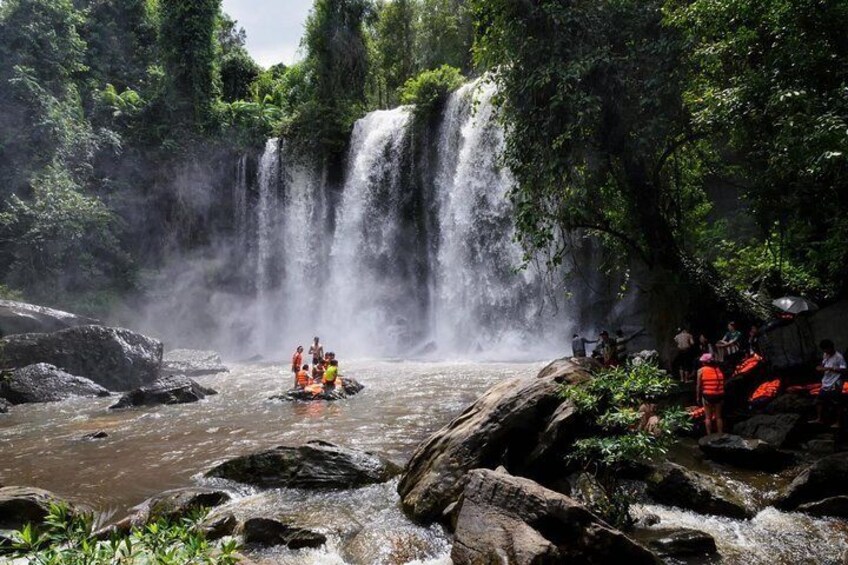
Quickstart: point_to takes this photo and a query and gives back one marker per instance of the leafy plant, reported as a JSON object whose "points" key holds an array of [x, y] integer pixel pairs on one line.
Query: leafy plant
{"points": [[67, 538], [429, 90], [620, 403]]}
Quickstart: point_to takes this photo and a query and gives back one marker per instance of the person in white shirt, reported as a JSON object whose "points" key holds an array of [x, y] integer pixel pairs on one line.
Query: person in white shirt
{"points": [[832, 368], [682, 364]]}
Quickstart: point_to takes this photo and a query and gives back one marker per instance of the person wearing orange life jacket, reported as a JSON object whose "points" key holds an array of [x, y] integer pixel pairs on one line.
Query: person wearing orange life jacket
{"points": [[710, 390], [297, 360], [302, 378]]}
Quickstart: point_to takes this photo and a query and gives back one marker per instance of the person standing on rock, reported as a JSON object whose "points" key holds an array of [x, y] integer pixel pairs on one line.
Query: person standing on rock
{"points": [[709, 389], [832, 368], [578, 345], [316, 350], [297, 360], [682, 364]]}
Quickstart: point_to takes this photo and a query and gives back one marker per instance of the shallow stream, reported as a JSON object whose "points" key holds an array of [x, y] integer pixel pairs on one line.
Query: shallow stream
{"points": [[153, 449]]}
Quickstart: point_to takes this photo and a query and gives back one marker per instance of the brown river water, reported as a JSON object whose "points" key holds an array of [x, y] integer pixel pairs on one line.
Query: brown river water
{"points": [[153, 449]]}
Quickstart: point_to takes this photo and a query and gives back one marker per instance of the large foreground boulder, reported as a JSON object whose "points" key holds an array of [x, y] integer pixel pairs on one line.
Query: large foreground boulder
{"points": [[24, 505], [776, 429], [741, 452], [192, 363], [507, 519], [45, 383], [674, 485], [114, 358], [21, 318], [502, 427], [823, 479], [176, 389], [315, 464]]}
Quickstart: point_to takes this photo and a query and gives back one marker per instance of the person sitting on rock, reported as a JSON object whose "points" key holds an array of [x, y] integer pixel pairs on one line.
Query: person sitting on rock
{"points": [[330, 375], [832, 368], [302, 379], [710, 390], [318, 371]]}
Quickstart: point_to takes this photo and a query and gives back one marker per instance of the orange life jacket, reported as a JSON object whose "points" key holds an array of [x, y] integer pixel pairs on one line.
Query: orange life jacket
{"points": [[766, 390], [303, 379], [747, 365], [696, 412], [297, 361], [712, 381]]}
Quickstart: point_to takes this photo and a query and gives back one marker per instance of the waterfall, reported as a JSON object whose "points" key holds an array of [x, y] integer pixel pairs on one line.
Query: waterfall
{"points": [[483, 300], [372, 255], [410, 248]]}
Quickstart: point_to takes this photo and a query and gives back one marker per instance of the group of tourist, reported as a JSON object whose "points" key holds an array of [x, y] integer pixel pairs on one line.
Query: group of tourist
{"points": [[710, 363], [728, 350], [325, 367], [610, 351]]}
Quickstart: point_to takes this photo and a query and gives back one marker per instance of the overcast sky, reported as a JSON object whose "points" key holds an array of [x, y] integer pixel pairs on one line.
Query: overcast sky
{"points": [[274, 27]]}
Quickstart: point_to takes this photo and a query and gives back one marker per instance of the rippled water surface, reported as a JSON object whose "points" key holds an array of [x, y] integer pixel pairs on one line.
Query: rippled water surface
{"points": [[153, 449]]}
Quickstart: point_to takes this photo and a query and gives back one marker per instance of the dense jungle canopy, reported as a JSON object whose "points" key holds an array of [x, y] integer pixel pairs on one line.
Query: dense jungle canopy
{"points": [[633, 121]]}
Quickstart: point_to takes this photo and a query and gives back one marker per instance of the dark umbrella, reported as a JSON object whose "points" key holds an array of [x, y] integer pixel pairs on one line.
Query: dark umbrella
{"points": [[795, 304]]}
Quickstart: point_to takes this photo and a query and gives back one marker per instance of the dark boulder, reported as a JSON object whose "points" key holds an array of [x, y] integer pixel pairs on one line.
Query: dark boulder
{"points": [[823, 479], [114, 358], [776, 429], [25, 505], [671, 484], [21, 318], [45, 383], [503, 426], [316, 464], [192, 363], [171, 505], [270, 532], [834, 507], [176, 389], [219, 524], [791, 404], [350, 387], [678, 542], [741, 452], [95, 436], [508, 519]]}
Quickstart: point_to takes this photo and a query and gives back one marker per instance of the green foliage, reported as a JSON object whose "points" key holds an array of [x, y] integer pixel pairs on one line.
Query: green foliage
{"points": [[335, 77], [445, 34], [238, 72], [590, 94], [617, 403], [429, 90], [187, 44], [766, 84], [68, 538], [394, 60]]}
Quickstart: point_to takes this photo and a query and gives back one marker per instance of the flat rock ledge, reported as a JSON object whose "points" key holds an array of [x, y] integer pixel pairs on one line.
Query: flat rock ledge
{"points": [[46, 383], [313, 465], [192, 363], [176, 389]]}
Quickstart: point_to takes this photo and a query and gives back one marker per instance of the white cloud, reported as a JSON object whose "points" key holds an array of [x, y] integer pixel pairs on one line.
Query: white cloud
{"points": [[274, 27]]}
